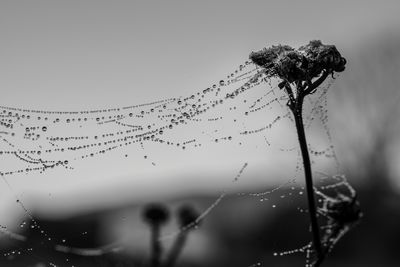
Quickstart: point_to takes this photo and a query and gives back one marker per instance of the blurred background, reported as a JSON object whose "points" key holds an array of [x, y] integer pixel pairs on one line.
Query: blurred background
{"points": [[80, 55]]}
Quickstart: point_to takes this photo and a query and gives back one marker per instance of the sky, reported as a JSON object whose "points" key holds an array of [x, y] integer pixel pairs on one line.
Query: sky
{"points": [[86, 54], [79, 55]]}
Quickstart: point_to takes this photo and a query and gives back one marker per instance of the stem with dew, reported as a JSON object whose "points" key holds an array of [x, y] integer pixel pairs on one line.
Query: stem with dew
{"points": [[298, 117], [306, 68]]}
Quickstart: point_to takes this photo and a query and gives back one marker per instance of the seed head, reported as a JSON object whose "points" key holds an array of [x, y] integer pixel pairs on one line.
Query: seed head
{"points": [[187, 215], [156, 214]]}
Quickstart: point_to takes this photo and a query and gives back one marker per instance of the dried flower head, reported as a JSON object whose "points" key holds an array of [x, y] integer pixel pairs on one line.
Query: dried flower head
{"points": [[299, 65]]}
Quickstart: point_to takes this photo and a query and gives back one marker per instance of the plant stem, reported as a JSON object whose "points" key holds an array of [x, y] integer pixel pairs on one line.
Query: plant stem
{"points": [[176, 250], [156, 246], [298, 117]]}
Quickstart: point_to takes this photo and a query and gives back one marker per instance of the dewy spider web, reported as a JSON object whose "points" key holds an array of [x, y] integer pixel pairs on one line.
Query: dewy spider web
{"points": [[235, 111], [41, 140]]}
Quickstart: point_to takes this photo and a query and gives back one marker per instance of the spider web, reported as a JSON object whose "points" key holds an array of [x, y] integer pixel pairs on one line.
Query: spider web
{"points": [[245, 109]]}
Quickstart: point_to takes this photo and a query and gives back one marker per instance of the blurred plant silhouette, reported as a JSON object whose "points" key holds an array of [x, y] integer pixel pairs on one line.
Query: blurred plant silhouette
{"points": [[187, 216], [155, 215]]}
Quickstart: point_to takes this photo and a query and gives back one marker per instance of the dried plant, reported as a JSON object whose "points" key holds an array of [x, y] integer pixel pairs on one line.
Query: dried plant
{"points": [[301, 71]]}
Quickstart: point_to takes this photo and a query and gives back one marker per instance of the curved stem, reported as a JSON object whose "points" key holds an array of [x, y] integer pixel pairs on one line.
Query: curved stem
{"points": [[297, 112], [318, 82]]}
